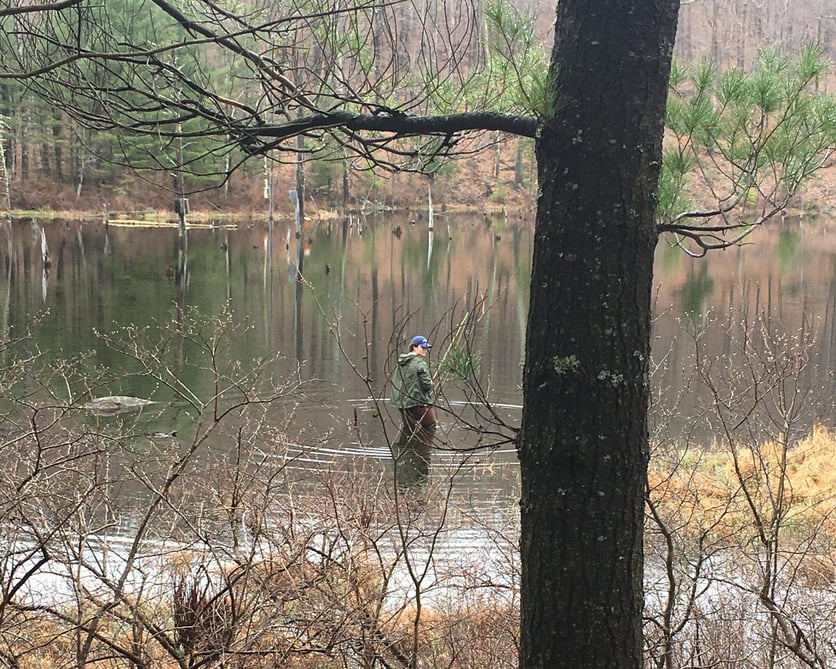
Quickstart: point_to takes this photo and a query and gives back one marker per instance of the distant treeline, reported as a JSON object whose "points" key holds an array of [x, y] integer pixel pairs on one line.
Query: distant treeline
{"points": [[49, 154]]}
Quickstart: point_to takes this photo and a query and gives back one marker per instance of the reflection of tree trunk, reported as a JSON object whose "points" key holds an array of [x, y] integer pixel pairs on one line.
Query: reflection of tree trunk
{"points": [[298, 322], [449, 294], [46, 261], [300, 245], [430, 223], [268, 292], [300, 197], [227, 267], [8, 264], [181, 278], [268, 255], [828, 340], [491, 292], [374, 362]]}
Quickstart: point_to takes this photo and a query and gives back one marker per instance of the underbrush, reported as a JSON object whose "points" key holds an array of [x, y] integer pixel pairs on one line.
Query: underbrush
{"points": [[217, 546]]}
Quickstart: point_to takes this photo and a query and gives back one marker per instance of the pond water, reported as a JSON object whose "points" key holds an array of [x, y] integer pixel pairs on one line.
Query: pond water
{"points": [[370, 284]]}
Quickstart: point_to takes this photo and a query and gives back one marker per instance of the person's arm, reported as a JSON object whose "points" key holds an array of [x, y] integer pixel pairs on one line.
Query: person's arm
{"points": [[425, 379], [396, 396]]}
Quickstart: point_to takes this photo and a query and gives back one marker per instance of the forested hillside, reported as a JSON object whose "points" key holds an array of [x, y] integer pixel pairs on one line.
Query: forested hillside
{"points": [[730, 32], [54, 162]]}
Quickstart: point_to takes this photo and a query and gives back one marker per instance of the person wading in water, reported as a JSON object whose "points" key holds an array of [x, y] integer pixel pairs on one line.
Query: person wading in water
{"points": [[412, 394]]}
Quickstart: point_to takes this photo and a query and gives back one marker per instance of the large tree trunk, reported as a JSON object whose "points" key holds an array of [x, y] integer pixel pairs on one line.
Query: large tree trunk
{"points": [[583, 444]]}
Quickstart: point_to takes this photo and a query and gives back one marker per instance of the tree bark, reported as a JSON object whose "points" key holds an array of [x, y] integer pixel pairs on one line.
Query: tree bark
{"points": [[57, 148], [583, 443]]}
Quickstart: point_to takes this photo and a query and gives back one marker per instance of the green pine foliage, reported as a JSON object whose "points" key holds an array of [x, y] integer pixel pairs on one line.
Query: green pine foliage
{"points": [[740, 144]]}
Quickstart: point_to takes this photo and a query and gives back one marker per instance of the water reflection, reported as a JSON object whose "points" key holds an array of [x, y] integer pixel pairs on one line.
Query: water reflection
{"points": [[411, 464], [354, 285], [693, 294]]}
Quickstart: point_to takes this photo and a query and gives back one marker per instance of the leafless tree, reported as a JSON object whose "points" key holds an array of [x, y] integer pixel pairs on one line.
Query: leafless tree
{"points": [[735, 531]]}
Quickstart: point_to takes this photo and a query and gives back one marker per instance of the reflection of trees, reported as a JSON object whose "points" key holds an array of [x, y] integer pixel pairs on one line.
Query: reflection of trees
{"points": [[412, 465], [7, 260], [146, 275], [267, 282], [789, 243], [181, 280], [299, 319], [371, 271], [789, 247], [374, 344], [694, 291], [420, 259], [827, 369], [668, 259]]}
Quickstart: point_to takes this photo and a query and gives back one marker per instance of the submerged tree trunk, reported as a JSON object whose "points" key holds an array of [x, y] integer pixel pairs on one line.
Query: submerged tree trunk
{"points": [[583, 444]]}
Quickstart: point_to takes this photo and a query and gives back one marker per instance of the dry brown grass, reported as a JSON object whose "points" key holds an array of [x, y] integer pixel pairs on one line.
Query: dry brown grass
{"points": [[711, 474], [728, 493]]}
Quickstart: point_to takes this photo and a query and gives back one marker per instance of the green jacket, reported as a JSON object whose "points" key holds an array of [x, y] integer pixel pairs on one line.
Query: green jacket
{"points": [[412, 384]]}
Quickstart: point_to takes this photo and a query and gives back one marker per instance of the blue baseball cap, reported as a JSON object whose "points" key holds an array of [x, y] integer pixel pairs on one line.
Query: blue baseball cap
{"points": [[421, 341]]}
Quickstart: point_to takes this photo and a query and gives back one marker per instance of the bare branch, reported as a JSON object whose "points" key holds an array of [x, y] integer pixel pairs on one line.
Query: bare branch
{"points": [[46, 7], [390, 121]]}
